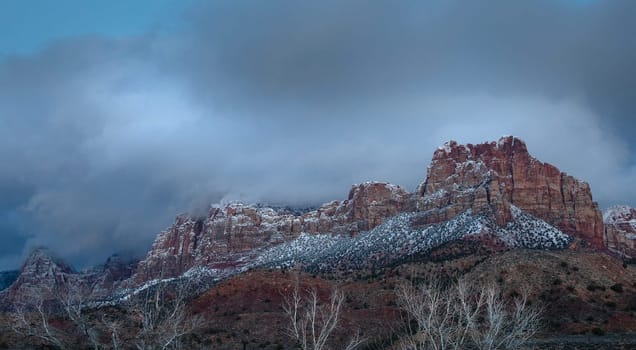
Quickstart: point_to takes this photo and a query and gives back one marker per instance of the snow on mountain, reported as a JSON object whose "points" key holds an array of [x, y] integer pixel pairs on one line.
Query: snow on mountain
{"points": [[530, 232], [397, 238]]}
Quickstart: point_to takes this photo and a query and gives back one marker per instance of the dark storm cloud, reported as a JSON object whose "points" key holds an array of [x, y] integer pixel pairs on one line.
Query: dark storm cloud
{"points": [[104, 140], [336, 52]]}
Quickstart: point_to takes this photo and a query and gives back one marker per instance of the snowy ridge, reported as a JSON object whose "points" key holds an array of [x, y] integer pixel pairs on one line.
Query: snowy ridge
{"points": [[391, 242], [396, 239], [198, 277]]}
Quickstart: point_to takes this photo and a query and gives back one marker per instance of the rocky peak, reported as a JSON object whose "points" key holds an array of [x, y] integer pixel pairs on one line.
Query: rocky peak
{"points": [[41, 263], [489, 177], [41, 269], [620, 230]]}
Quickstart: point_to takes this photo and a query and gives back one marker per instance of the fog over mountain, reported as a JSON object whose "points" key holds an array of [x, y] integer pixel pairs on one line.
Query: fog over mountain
{"points": [[105, 135]]}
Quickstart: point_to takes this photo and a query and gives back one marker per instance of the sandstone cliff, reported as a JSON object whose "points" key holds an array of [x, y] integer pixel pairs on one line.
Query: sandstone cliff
{"points": [[620, 230], [226, 234], [490, 177]]}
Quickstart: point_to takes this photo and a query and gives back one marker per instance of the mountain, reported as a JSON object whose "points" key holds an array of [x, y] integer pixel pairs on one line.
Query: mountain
{"points": [[473, 208], [229, 234], [620, 230], [494, 191], [398, 238], [493, 176], [43, 270]]}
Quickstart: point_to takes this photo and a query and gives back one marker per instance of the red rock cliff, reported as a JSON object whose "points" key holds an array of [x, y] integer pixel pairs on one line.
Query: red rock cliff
{"points": [[492, 176], [620, 230], [219, 239]]}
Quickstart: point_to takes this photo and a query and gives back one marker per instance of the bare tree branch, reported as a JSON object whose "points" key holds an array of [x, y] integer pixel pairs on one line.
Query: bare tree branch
{"points": [[311, 323], [31, 314], [460, 316], [164, 316]]}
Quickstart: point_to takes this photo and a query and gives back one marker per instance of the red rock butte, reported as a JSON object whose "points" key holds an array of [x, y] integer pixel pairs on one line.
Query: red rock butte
{"points": [[492, 176]]}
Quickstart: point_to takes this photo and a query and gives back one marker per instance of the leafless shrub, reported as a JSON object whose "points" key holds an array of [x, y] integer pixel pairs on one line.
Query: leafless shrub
{"points": [[74, 300], [61, 317], [461, 316], [312, 323], [113, 328], [31, 317], [36, 307], [164, 316]]}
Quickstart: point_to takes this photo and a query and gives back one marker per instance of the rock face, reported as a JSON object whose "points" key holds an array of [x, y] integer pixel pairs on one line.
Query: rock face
{"points": [[222, 239], [43, 273], [620, 230], [490, 177], [42, 268], [103, 280], [40, 273]]}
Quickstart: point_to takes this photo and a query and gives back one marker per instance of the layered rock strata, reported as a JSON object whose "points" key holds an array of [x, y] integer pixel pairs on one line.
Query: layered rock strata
{"points": [[490, 177], [220, 239], [486, 178]]}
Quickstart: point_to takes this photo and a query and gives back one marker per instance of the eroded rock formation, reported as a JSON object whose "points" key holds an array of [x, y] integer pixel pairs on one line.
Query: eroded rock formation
{"points": [[620, 230], [220, 239], [489, 177]]}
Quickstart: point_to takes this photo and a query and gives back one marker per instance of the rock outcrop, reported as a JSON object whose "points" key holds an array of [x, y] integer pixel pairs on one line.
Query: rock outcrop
{"points": [[103, 280], [620, 230], [490, 177], [221, 239], [43, 268], [46, 276], [40, 275]]}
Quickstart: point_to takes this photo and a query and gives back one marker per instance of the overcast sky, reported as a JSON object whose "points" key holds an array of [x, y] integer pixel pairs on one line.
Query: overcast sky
{"points": [[115, 117]]}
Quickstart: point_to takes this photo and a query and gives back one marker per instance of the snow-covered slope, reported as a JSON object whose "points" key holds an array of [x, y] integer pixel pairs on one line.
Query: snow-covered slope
{"points": [[398, 238]]}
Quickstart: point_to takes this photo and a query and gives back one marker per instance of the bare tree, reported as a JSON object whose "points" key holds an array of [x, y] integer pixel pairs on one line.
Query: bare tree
{"points": [[36, 307], [60, 316], [74, 299], [164, 316], [459, 316], [31, 317], [312, 323], [113, 328]]}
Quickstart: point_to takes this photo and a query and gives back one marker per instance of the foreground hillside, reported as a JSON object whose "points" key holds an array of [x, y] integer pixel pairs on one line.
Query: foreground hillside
{"points": [[581, 293]]}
